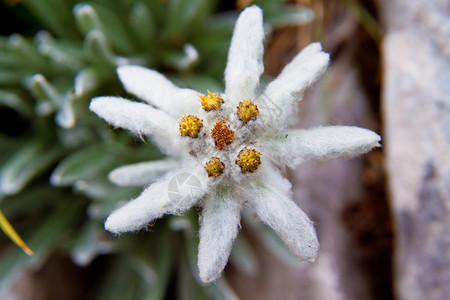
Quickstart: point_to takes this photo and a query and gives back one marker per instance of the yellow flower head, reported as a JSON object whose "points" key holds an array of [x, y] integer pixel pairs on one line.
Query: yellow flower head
{"points": [[247, 111], [190, 126], [214, 167], [249, 160], [211, 101]]}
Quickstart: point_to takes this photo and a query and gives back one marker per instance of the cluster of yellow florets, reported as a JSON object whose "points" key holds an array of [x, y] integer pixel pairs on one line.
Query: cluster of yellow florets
{"points": [[190, 126], [211, 101], [214, 167], [222, 134], [249, 160], [247, 111]]}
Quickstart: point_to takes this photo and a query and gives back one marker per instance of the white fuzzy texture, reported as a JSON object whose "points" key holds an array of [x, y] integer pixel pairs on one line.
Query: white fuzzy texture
{"points": [[296, 146], [137, 213], [295, 78], [245, 57], [139, 118], [158, 91], [141, 174], [222, 197], [219, 225], [154, 202], [272, 201]]}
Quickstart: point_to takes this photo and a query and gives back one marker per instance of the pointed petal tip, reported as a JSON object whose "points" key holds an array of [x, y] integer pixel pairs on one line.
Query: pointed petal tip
{"points": [[211, 269], [209, 275], [306, 249], [114, 177], [122, 220], [111, 226], [96, 103], [252, 9], [314, 47], [312, 259], [372, 139]]}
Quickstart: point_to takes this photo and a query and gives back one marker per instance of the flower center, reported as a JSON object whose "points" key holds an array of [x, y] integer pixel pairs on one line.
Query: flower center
{"points": [[211, 101], [249, 160], [214, 167], [222, 134], [247, 111], [190, 126]]}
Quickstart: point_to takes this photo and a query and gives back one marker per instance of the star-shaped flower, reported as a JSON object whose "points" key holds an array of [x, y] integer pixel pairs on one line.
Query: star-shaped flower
{"points": [[227, 148]]}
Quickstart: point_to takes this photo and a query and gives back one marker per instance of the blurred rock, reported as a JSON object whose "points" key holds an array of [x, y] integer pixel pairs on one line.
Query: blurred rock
{"points": [[416, 107]]}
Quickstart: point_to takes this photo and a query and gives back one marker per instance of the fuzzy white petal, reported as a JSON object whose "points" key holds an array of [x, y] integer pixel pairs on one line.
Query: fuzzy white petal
{"points": [[157, 90], [141, 174], [273, 205], [140, 118], [329, 142], [245, 57], [282, 93], [219, 225], [168, 196]]}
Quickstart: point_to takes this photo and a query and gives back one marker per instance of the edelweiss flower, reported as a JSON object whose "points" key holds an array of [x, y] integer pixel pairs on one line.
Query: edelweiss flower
{"points": [[229, 147]]}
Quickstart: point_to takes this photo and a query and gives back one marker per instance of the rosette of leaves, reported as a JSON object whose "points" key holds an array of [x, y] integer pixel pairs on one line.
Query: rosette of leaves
{"points": [[55, 155]]}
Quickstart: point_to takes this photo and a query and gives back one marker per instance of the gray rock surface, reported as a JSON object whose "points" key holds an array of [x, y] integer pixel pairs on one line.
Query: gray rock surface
{"points": [[416, 110]]}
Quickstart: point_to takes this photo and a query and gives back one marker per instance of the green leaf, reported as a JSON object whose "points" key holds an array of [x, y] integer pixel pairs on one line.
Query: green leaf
{"points": [[65, 117], [8, 59], [43, 90], [106, 194], [32, 201], [143, 23], [9, 77], [86, 81], [15, 100], [99, 50], [89, 244], [55, 15], [101, 17], [25, 53], [63, 55], [82, 164], [31, 160]]}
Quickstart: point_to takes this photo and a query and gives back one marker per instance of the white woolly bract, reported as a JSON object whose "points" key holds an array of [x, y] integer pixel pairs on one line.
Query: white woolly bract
{"points": [[272, 201], [245, 57], [167, 196], [158, 91], [141, 174], [296, 77], [219, 225], [140, 119], [137, 213], [296, 146]]}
